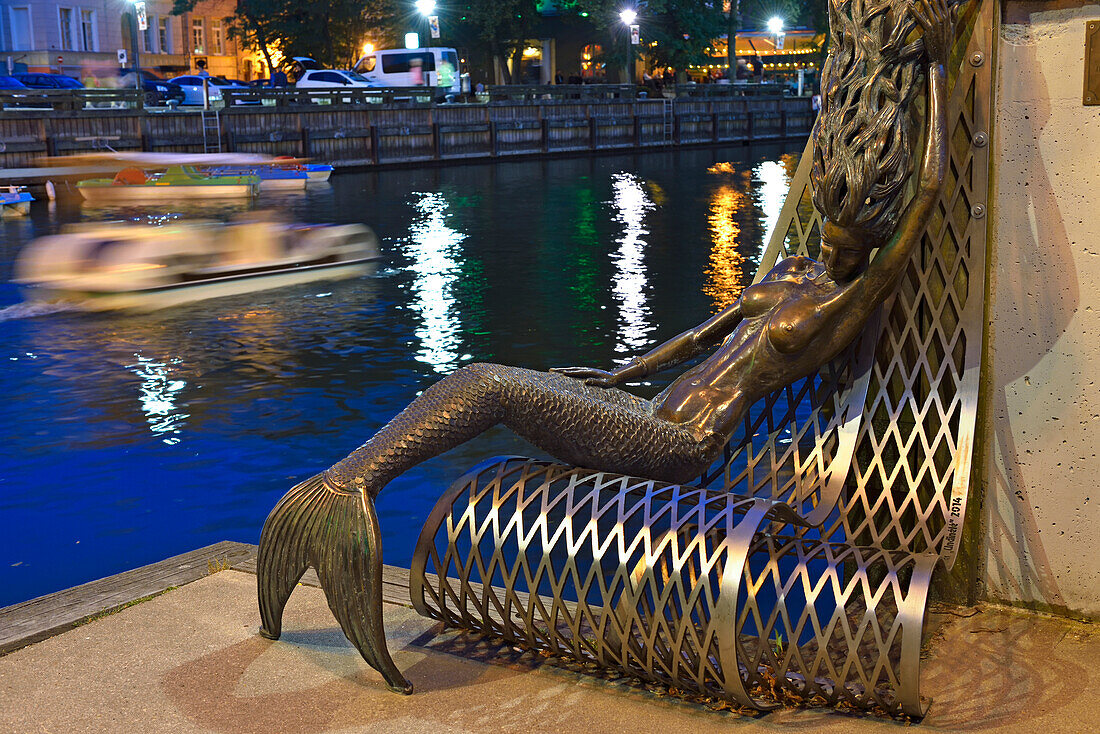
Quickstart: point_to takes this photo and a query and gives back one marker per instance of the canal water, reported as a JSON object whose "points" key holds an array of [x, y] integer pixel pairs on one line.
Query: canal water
{"points": [[127, 438]]}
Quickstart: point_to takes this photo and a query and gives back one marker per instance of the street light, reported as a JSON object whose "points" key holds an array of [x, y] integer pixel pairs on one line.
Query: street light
{"points": [[628, 16], [427, 9], [137, 19], [775, 25]]}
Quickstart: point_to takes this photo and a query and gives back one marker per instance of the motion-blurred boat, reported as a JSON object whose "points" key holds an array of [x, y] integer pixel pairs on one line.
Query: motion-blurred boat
{"points": [[122, 265], [135, 186], [15, 201]]}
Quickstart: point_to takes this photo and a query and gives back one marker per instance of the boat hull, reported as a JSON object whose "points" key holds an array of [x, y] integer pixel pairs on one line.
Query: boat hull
{"points": [[152, 299], [146, 194], [283, 184]]}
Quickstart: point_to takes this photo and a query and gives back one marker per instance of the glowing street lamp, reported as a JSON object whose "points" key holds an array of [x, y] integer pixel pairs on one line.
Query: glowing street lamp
{"points": [[775, 26], [628, 16], [427, 9]]}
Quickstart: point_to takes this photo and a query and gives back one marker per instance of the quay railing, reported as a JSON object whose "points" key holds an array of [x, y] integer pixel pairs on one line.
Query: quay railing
{"points": [[70, 100], [352, 128], [516, 92]]}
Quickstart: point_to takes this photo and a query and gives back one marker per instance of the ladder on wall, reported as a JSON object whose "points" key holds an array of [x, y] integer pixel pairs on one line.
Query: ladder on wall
{"points": [[669, 122], [211, 131]]}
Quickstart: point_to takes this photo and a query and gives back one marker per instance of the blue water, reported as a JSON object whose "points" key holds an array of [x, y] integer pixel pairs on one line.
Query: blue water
{"points": [[127, 438]]}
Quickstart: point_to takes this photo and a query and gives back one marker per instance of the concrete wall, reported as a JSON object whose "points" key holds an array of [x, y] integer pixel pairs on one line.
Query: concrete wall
{"points": [[1042, 475]]}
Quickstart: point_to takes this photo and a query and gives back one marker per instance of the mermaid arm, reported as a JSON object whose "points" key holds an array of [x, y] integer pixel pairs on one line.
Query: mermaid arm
{"points": [[884, 271], [676, 350]]}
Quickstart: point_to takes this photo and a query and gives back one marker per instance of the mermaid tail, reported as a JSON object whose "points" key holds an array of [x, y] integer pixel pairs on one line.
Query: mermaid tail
{"points": [[329, 521], [337, 533]]}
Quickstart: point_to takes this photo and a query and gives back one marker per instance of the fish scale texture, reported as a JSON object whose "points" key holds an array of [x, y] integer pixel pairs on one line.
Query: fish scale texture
{"points": [[600, 428]]}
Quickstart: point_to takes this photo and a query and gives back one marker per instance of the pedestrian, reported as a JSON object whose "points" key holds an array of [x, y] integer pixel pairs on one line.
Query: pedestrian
{"points": [[201, 64], [559, 78]]}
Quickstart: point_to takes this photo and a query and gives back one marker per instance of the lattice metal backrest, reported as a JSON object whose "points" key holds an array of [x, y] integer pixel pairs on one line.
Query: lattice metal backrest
{"points": [[909, 472]]}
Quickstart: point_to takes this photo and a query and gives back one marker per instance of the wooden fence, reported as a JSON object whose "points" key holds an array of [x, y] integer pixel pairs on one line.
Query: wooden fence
{"points": [[345, 131]]}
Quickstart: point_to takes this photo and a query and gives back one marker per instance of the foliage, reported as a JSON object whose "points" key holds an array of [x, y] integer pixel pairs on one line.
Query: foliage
{"points": [[684, 32], [498, 26], [683, 29], [330, 31]]}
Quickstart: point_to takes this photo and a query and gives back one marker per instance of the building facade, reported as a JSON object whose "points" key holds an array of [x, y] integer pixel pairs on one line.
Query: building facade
{"points": [[83, 38]]}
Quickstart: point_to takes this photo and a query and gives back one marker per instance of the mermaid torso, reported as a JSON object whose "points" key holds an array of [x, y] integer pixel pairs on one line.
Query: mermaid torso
{"points": [[788, 321]]}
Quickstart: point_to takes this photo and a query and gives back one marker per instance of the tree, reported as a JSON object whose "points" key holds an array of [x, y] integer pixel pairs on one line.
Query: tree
{"points": [[501, 25], [330, 31], [683, 29]]}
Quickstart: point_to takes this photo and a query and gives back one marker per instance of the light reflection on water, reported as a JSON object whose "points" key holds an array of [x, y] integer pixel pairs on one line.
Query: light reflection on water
{"points": [[631, 205], [434, 248], [131, 437], [157, 395]]}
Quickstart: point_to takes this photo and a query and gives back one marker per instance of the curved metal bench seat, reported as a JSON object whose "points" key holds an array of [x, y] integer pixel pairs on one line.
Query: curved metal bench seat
{"points": [[676, 584], [799, 568]]}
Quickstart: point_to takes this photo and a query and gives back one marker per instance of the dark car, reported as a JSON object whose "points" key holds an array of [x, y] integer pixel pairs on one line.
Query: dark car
{"points": [[48, 81], [157, 91]]}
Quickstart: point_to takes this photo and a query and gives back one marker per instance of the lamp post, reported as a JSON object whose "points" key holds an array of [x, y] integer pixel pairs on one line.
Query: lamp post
{"points": [[137, 8], [427, 10], [775, 27], [628, 17]]}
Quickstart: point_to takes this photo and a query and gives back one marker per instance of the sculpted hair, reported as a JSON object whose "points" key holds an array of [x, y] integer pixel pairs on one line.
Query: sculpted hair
{"points": [[862, 151]]}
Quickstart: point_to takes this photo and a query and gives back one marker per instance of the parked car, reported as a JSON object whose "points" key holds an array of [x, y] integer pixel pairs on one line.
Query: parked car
{"points": [[331, 79], [432, 67], [157, 91], [191, 84], [48, 81]]}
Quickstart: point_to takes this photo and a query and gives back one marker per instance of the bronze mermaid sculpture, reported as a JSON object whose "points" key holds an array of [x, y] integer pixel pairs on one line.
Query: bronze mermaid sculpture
{"points": [[790, 324]]}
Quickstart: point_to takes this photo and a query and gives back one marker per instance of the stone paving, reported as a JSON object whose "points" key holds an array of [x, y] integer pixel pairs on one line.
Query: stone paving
{"points": [[190, 661]]}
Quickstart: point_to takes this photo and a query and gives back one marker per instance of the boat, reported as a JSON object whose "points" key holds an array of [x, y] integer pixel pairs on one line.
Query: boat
{"points": [[272, 177], [15, 201], [281, 173], [123, 265], [132, 185], [318, 172]]}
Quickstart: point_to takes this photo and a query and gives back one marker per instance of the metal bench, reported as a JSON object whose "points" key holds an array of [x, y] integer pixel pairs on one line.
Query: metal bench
{"points": [[799, 569]]}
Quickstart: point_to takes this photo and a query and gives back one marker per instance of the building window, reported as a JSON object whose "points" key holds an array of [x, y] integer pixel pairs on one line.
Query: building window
{"points": [[218, 47], [65, 21], [198, 41], [87, 31], [164, 38], [147, 37], [20, 28]]}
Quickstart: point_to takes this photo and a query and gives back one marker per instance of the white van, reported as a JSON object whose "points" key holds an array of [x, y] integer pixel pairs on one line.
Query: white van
{"points": [[402, 67]]}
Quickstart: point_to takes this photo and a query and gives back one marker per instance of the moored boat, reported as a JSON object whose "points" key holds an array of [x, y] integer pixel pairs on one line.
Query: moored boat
{"points": [[132, 185], [137, 266], [15, 201], [318, 172]]}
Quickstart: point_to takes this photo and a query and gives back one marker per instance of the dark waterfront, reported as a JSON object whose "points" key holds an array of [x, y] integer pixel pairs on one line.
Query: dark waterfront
{"points": [[131, 437]]}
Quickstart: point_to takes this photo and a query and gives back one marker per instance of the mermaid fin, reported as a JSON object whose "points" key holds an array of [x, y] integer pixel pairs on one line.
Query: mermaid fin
{"points": [[337, 533]]}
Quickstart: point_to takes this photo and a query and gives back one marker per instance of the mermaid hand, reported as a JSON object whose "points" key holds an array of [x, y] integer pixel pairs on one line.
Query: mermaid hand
{"points": [[937, 18]]}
